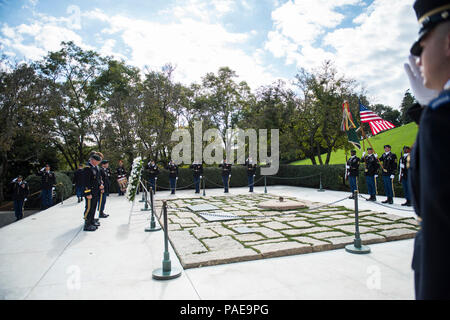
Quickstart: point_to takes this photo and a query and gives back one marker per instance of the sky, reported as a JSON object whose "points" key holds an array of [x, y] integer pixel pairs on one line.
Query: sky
{"points": [[262, 40]]}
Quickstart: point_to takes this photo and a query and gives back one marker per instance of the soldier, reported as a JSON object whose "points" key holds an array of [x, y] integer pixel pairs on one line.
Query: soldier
{"points": [[78, 182], [353, 172], [121, 176], [371, 172], [105, 173], [48, 182], [19, 196], [389, 160], [198, 172], [251, 172], [153, 174], [429, 172], [92, 188], [403, 175], [226, 174], [173, 175]]}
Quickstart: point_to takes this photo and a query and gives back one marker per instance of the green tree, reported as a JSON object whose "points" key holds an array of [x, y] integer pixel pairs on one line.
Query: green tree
{"points": [[407, 102]]}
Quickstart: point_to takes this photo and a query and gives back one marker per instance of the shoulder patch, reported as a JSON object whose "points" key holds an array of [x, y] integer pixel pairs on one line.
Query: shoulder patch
{"points": [[442, 100]]}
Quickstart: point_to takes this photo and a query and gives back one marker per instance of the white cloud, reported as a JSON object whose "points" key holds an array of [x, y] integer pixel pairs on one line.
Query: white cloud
{"points": [[372, 52]]}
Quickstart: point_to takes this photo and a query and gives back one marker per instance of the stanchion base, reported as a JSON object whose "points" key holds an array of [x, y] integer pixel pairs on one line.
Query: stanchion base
{"points": [[148, 209], [352, 249], [152, 229], [321, 190], [159, 274]]}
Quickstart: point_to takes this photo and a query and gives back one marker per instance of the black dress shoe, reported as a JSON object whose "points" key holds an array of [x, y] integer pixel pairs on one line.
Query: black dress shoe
{"points": [[390, 201], [96, 224], [89, 228], [103, 215], [385, 201], [407, 203]]}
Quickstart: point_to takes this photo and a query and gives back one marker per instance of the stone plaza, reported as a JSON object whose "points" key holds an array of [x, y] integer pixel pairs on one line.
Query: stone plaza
{"points": [[232, 250]]}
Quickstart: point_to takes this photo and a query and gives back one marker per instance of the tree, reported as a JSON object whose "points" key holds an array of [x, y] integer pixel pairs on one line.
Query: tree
{"points": [[73, 72], [407, 102]]}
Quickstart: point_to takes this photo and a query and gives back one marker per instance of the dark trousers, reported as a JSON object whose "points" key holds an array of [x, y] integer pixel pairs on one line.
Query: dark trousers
{"points": [[46, 198], [406, 189], [151, 181], [89, 210], [250, 182], [387, 181], [18, 208], [79, 191], [101, 202], [370, 180], [173, 182], [197, 184], [352, 181], [225, 180]]}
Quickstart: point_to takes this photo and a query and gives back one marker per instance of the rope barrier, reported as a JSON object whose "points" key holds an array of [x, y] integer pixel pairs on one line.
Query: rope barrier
{"points": [[286, 178]]}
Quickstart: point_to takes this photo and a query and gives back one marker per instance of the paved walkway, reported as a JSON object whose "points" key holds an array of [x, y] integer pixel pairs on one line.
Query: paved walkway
{"points": [[48, 256]]}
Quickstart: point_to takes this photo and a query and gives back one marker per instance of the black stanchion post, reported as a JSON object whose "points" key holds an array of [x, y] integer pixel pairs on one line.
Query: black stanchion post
{"points": [[320, 187], [357, 247], [152, 219], [166, 272], [146, 202], [265, 184], [204, 185], [143, 197]]}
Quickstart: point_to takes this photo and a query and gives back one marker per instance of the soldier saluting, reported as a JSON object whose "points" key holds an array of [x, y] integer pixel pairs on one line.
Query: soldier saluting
{"points": [[371, 172], [48, 182], [19, 196], [251, 172], [153, 174], [226, 174], [198, 172], [173, 175], [353, 172], [92, 188], [389, 160]]}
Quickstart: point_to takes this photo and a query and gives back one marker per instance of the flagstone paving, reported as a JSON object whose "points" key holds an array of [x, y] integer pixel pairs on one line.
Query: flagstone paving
{"points": [[199, 242]]}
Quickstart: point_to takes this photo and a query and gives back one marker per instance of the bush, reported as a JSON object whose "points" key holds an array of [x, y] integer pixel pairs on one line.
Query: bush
{"points": [[64, 189]]}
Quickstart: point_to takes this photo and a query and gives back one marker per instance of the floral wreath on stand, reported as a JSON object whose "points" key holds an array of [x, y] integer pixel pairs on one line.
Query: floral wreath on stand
{"points": [[135, 177]]}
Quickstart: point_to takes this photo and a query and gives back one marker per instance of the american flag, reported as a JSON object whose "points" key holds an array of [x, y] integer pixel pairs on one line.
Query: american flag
{"points": [[376, 123]]}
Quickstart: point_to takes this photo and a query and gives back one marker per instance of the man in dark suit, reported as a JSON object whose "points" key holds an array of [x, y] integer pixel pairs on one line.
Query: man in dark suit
{"points": [[429, 173], [173, 176], [353, 172], [251, 172], [403, 175], [197, 172], [48, 183], [105, 173], [226, 174], [92, 182], [78, 182]]}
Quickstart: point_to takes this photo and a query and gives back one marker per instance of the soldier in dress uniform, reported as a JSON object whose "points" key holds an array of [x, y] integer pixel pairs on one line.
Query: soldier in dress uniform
{"points": [[121, 173], [371, 172], [48, 182], [403, 175], [92, 188], [19, 196], [173, 176], [105, 173], [429, 173], [389, 160], [226, 174], [251, 172], [78, 182], [153, 171], [198, 172], [352, 170]]}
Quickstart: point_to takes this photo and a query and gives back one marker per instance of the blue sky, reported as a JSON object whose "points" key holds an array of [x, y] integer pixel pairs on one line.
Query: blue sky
{"points": [[262, 40]]}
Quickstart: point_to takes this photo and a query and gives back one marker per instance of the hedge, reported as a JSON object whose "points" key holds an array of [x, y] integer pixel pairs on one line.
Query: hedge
{"points": [[309, 176], [64, 189]]}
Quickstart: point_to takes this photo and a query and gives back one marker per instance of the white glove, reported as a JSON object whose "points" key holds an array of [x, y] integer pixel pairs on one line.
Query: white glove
{"points": [[376, 176], [156, 178], [230, 175], [363, 154], [43, 169], [376, 155], [14, 180], [420, 92], [392, 176], [53, 189], [348, 167], [201, 177], [25, 199], [402, 165], [176, 178]]}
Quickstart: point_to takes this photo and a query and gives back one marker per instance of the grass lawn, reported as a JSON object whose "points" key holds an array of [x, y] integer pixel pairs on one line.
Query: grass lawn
{"points": [[397, 138]]}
